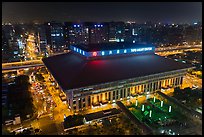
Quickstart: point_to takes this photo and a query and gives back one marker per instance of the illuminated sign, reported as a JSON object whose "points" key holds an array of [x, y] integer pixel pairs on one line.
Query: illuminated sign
{"points": [[94, 53], [141, 49], [113, 52], [103, 53]]}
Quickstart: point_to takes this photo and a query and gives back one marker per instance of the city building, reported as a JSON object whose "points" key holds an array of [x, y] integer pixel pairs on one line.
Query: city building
{"points": [[91, 78], [116, 31], [10, 48], [41, 39], [55, 36], [98, 33], [76, 33]]}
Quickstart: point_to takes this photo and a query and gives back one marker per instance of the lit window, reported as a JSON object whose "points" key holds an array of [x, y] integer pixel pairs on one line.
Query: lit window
{"points": [[78, 25], [118, 51], [94, 53], [74, 49], [125, 51], [110, 52], [83, 53], [98, 25], [74, 25], [94, 25], [101, 25], [77, 50], [80, 51], [103, 53]]}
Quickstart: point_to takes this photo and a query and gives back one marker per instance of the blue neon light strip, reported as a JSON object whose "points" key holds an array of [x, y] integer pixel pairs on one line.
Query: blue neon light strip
{"points": [[114, 52]]}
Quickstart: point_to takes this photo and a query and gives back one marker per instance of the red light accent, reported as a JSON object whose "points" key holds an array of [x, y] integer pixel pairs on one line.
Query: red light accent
{"points": [[94, 53]]}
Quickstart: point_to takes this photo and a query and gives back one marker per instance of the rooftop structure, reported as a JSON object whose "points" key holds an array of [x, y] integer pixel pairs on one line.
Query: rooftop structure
{"points": [[71, 71], [91, 79]]}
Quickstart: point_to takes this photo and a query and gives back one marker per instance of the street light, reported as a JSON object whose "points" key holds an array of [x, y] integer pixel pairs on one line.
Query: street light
{"points": [[136, 102], [162, 103], [169, 108], [142, 107], [150, 113]]}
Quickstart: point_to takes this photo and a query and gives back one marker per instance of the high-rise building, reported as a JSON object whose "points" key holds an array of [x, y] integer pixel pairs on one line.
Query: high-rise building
{"points": [[98, 33], [41, 40], [9, 43], [76, 33], [116, 31], [55, 36]]}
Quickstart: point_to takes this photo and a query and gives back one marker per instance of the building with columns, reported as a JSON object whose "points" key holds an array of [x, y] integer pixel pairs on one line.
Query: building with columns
{"points": [[93, 76]]}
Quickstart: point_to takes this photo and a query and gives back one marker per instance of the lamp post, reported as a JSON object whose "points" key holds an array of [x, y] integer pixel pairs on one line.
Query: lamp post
{"points": [[142, 107], [136, 102], [169, 108], [162, 103], [150, 113]]}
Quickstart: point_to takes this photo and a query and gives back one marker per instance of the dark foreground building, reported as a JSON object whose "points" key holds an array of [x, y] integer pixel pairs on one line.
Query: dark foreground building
{"points": [[96, 74]]}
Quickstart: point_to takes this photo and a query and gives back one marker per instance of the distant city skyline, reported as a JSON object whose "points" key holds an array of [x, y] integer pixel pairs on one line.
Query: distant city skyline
{"points": [[139, 12]]}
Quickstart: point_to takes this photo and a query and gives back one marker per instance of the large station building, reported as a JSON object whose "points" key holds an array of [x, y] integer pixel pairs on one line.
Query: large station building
{"points": [[96, 74]]}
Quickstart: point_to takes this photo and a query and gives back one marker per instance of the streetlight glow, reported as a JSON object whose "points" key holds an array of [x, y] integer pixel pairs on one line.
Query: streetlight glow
{"points": [[136, 102], [169, 108], [142, 107], [162, 103], [150, 113]]}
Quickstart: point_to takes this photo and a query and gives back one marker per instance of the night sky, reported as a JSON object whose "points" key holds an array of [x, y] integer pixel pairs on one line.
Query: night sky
{"points": [[166, 12]]}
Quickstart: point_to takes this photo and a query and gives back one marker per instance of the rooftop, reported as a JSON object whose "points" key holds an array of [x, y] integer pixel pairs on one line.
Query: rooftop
{"points": [[102, 114], [73, 71]]}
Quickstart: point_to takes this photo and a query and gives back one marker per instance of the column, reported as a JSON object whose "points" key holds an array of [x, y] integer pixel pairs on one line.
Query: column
{"points": [[125, 93], [122, 93], [176, 81], [152, 86], [173, 82], [86, 101], [107, 95], [77, 104], [111, 96], [181, 80], [166, 82], [145, 87], [170, 81], [158, 84], [142, 87]]}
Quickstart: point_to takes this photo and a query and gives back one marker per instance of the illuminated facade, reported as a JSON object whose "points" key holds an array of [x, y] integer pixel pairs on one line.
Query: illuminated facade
{"points": [[92, 96], [90, 83]]}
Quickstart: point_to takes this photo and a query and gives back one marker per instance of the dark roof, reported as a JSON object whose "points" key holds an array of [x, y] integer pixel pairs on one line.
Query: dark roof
{"points": [[73, 71], [110, 46], [101, 114]]}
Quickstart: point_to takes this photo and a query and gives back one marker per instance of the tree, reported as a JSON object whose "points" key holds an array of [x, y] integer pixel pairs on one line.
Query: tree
{"points": [[39, 77], [20, 98]]}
